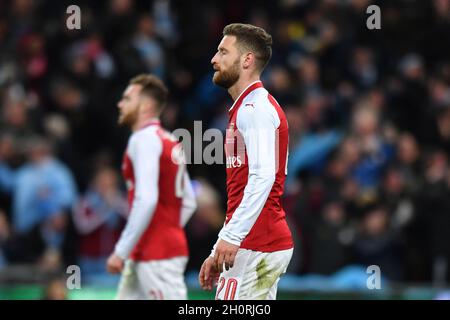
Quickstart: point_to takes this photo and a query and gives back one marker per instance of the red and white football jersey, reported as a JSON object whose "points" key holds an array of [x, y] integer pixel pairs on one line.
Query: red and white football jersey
{"points": [[256, 150], [160, 196]]}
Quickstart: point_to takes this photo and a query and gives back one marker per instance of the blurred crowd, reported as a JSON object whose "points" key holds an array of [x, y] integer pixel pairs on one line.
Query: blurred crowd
{"points": [[369, 114]]}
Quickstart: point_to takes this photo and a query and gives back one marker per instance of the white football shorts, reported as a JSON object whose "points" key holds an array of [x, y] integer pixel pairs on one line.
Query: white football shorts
{"points": [[153, 280], [254, 275]]}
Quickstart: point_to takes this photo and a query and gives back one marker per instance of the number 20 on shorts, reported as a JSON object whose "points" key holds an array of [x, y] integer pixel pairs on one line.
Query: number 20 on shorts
{"points": [[230, 290]]}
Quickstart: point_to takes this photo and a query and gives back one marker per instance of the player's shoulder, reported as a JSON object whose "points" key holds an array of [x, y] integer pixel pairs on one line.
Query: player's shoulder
{"points": [[257, 97], [145, 136], [258, 108], [261, 100]]}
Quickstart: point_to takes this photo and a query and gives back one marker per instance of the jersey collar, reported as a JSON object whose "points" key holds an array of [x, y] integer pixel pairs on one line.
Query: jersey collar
{"points": [[252, 86], [150, 122]]}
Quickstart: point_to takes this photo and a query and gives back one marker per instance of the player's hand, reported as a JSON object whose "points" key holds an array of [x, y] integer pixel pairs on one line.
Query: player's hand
{"points": [[208, 274], [224, 254], [114, 264]]}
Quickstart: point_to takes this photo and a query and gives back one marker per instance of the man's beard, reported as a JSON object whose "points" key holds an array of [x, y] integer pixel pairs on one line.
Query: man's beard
{"points": [[227, 79], [127, 119]]}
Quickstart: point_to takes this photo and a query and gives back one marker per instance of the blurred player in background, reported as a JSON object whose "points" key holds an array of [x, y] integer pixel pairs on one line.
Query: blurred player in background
{"points": [[152, 251], [255, 244]]}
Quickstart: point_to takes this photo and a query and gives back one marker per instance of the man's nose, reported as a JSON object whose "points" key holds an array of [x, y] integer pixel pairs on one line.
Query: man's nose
{"points": [[213, 60]]}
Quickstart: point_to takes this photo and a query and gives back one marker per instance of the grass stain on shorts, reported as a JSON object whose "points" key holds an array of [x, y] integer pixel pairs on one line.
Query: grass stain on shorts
{"points": [[266, 278]]}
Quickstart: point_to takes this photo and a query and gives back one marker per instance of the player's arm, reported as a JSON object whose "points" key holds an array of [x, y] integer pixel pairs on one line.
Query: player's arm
{"points": [[189, 203], [144, 152], [258, 126]]}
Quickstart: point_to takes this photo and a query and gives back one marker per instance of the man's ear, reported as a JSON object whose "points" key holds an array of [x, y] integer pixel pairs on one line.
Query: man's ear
{"points": [[146, 103], [249, 60]]}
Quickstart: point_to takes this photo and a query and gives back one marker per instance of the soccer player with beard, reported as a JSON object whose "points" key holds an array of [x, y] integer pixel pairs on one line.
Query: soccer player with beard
{"points": [[255, 244], [152, 251]]}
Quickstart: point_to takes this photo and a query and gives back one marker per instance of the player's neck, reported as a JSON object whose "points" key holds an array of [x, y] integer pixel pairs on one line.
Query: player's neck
{"points": [[143, 122], [241, 85]]}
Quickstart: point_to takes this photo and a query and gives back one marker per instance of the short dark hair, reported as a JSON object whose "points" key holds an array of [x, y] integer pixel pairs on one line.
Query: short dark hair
{"points": [[152, 87], [252, 38]]}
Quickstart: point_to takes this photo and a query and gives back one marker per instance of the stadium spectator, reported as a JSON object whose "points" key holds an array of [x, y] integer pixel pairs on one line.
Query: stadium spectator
{"points": [[99, 216], [43, 193]]}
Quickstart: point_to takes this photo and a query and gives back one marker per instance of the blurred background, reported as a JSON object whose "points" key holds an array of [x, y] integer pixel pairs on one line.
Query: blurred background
{"points": [[369, 115]]}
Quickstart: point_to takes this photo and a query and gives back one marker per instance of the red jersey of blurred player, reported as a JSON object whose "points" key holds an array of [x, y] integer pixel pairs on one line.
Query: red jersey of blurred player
{"points": [[161, 200], [164, 238]]}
